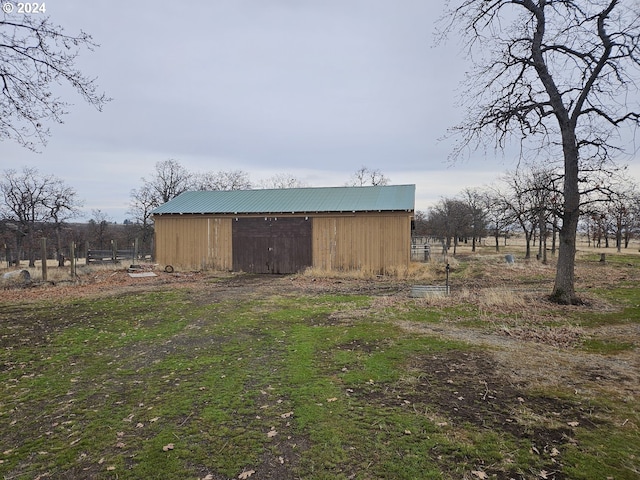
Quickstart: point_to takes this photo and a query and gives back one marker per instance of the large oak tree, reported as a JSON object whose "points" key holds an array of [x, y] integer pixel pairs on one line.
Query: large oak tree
{"points": [[558, 75]]}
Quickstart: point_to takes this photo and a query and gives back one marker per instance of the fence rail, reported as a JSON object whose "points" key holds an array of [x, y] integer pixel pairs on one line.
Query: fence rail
{"points": [[109, 256]]}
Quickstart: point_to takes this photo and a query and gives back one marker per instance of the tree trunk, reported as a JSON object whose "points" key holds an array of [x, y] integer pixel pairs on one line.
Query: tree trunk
{"points": [[564, 287], [527, 236]]}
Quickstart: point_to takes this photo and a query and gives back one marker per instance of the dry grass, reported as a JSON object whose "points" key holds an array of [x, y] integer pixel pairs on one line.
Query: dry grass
{"points": [[418, 272], [56, 274], [495, 298]]}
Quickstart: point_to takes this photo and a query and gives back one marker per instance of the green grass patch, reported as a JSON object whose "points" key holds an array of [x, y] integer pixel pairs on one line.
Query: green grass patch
{"points": [[155, 385], [606, 346]]}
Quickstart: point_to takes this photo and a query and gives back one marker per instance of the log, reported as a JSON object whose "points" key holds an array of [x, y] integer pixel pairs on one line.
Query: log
{"points": [[16, 277]]}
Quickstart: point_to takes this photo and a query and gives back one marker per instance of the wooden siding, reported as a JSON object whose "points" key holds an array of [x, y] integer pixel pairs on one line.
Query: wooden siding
{"points": [[193, 242], [373, 243], [271, 244]]}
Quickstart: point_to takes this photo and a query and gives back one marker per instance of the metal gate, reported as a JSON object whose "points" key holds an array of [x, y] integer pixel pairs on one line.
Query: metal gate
{"points": [[271, 244]]}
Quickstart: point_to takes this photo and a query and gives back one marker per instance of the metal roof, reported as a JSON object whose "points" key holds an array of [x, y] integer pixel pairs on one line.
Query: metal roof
{"points": [[293, 200]]}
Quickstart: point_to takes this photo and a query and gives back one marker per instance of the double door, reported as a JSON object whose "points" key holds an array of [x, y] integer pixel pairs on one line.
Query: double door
{"points": [[271, 244]]}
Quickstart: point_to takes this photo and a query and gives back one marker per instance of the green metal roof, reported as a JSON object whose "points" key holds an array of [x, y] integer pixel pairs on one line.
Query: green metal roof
{"points": [[293, 200]]}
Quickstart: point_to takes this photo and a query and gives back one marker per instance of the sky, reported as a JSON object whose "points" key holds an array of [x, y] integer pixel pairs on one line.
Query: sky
{"points": [[316, 89]]}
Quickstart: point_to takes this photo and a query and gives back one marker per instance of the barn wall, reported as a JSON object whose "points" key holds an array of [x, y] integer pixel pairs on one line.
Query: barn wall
{"points": [[193, 242], [372, 243]]}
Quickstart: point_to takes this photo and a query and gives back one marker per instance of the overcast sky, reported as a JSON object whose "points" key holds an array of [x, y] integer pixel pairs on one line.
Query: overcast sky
{"points": [[315, 88]]}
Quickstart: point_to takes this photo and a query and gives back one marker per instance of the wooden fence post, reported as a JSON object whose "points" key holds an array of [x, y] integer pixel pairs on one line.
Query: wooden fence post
{"points": [[135, 251], [72, 251], [43, 245]]}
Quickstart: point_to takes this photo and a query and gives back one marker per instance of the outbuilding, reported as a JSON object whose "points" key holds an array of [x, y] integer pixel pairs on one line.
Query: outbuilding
{"points": [[287, 230]]}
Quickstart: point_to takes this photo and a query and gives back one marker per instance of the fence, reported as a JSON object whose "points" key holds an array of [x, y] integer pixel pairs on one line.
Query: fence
{"points": [[420, 253], [109, 256]]}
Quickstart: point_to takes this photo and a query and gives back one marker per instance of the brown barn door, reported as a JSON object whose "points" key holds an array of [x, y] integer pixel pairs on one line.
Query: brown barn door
{"points": [[271, 244]]}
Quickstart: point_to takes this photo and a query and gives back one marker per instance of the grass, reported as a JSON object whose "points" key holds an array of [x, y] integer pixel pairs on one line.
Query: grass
{"points": [[304, 385]]}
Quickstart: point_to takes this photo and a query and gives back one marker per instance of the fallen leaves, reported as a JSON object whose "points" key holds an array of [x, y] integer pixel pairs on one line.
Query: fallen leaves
{"points": [[168, 447], [246, 474]]}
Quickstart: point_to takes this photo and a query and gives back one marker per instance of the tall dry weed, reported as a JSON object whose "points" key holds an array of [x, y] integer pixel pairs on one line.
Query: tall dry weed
{"points": [[496, 299], [427, 272]]}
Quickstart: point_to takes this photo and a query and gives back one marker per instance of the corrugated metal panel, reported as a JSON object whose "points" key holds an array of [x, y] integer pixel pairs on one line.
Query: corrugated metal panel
{"points": [[294, 200]]}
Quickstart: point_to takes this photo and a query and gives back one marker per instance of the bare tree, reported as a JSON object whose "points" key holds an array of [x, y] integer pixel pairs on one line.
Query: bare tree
{"points": [[35, 56], [282, 180], [619, 212], [366, 176], [450, 220], [223, 180], [420, 223], [169, 180], [498, 215], [32, 200], [142, 202], [559, 73], [63, 204], [633, 225], [543, 185], [477, 214], [520, 199], [98, 228]]}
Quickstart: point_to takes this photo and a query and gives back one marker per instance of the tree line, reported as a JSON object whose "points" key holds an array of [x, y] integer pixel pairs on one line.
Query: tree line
{"points": [[528, 201]]}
